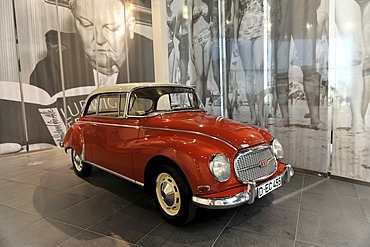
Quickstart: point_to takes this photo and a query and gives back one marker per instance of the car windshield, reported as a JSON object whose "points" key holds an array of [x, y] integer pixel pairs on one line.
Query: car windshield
{"points": [[153, 100]]}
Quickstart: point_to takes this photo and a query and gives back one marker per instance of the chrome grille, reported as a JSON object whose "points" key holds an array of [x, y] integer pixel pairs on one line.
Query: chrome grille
{"points": [[255, 164]]}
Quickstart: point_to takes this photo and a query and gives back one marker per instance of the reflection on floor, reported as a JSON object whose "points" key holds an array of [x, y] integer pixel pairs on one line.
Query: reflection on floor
{"points": [[42, 203]]}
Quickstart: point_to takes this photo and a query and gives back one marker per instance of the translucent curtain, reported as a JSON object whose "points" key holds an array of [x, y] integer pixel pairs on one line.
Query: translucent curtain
{"points": [[12, 133], [299, 112], [277, 75], [350, 70], [65, 50], [259, 62], [41, 72]]}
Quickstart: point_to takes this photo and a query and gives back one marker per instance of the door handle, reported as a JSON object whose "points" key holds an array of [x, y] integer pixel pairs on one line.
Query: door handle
{"points": [[94, 124]]}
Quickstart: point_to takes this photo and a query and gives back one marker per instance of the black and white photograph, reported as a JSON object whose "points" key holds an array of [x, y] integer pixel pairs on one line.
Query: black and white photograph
{"points": [[67, 48], [351, 90], [193, 46], [299, 107], [178, 123], [277, 74], [178, 41]]}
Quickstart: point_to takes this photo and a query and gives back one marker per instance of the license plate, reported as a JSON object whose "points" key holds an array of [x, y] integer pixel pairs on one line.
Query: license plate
{"points": [[268, 186]]}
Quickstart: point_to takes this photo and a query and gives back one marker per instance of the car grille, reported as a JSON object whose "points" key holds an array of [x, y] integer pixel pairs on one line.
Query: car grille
{"points": [[255, 164]]}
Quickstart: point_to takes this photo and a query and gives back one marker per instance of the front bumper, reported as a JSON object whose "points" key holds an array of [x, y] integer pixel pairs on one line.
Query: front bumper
{"points": [[244, 197]]}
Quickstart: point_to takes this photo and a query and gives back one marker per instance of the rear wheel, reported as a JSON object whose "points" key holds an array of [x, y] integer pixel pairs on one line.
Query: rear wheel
{"points": [[173, 196], [80, 168]]}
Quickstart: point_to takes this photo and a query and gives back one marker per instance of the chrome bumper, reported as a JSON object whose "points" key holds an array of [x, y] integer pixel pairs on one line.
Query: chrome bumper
{"points": [[243, 197]]}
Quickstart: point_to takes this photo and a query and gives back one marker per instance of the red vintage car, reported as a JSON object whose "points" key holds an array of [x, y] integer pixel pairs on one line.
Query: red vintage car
{"points": [[160, 136]]}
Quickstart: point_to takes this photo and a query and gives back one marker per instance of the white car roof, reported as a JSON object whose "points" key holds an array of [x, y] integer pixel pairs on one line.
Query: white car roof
{"points": [[128, 87]]}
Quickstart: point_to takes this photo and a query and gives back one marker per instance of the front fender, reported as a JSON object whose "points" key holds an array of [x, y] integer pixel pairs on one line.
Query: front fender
{"points": [[191, 154]]}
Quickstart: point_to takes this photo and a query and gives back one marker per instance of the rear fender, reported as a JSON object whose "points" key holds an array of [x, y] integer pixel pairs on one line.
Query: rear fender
{"points": [[74, 139]]}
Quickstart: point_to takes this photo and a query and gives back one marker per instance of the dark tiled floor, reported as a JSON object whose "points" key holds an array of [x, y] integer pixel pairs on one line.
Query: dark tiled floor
{"points": [[42, 203]]}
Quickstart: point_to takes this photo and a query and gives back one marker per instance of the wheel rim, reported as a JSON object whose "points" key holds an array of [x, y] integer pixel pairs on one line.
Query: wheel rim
{"points": [[168, 194], [77, 162]]}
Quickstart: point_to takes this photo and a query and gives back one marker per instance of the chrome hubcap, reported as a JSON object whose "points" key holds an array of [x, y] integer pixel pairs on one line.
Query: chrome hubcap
{"points": [[168, 194], [77, 162]]}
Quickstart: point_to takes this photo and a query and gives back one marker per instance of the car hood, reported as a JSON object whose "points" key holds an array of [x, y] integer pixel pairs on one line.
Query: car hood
{"points": [[238, 134]]}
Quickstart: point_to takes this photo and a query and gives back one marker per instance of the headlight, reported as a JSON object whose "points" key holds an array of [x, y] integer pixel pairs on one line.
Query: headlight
{"points": [[220, 167], [277, 148]]}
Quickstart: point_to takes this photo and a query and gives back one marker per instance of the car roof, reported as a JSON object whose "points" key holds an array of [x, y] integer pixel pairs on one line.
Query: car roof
{"points": [[128, 87]]}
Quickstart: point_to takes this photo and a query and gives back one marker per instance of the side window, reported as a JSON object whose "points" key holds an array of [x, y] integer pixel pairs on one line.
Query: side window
{"points": [[139, 106], [123, 104], [92, 109], [108, 105], [163, 103], [181, 101]]}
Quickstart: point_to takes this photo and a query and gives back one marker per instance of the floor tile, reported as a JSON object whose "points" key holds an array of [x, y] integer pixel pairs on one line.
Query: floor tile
{"points": [[131, 223], [334, 204], [89, 239], [330, 230], [269, 221], [328, 186], [85, 189], [3, 181], [12, 187], [65, 169], [301, 244], [24, 196], [59, 181], [26, 176], [366, 206], [203, 231], [41, 233], [295, 183], [237, 237], [363, 191], [48, 205], [282, 198], [87, 213], [6, 168], [13, 220], [40, 195], [119, 191]]}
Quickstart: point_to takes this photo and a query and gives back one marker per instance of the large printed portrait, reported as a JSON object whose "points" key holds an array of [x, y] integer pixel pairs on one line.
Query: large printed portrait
{"points": [[67, 48]]}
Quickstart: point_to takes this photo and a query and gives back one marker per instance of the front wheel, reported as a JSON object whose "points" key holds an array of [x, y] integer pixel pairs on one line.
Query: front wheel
{"points": [[173, 196], [80, 168]]}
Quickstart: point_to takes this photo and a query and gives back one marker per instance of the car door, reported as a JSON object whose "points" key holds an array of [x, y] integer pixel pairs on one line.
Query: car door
{"points": [[112, 135], [87, 124]]}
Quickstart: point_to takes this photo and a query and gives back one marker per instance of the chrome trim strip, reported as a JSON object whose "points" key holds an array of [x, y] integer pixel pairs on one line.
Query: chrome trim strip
{"points": [[166, 129], [194, 132], [83, 154], [245, 197], [108, 124], [115, 173], [224, 203], [155, 114]]}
